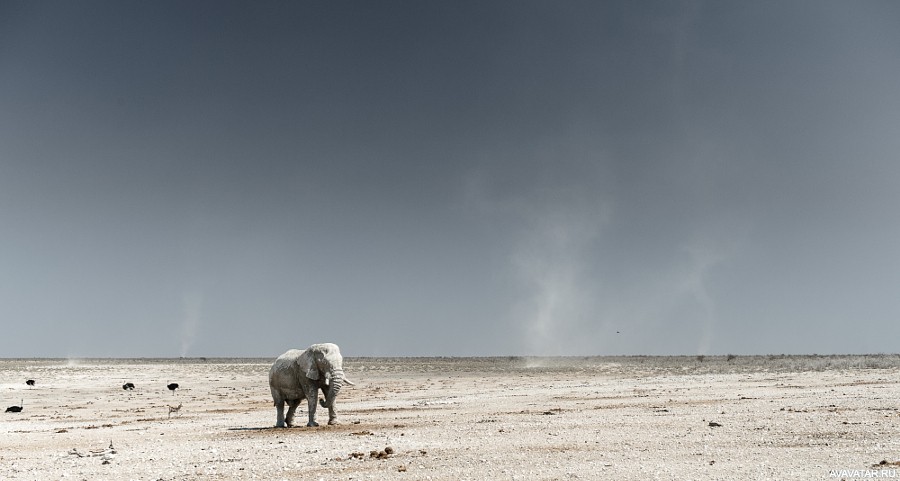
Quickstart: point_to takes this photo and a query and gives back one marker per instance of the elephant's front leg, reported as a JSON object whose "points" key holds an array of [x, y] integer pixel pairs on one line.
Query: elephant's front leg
{"points": [[312, 394], [332, 415]]}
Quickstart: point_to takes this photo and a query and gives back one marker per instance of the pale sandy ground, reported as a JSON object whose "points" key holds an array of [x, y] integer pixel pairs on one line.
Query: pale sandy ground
{"points": [[456, 419]]}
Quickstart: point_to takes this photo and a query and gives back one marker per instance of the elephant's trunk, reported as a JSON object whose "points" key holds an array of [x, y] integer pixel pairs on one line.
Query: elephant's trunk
{"points": [[334, 386]]}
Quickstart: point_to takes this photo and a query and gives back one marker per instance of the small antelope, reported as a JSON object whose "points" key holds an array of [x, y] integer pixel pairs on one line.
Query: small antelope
{"points": [[174, 409]]}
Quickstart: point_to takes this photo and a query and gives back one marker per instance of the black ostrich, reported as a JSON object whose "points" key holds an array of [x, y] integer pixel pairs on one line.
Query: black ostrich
{"points": [[172, 387], [30, 382], [128, 386], [15, 409]]}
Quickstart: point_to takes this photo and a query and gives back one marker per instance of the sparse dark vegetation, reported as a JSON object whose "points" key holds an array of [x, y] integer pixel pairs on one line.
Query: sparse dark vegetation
{"points": [[637, 365]]}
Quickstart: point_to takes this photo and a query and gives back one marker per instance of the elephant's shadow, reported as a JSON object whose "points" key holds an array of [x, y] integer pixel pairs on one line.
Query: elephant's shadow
{"points": [[353, 426], [266, 430]]}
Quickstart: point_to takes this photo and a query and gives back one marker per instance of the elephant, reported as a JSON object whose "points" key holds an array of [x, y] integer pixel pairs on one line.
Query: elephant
{"points": [[298, 375]]}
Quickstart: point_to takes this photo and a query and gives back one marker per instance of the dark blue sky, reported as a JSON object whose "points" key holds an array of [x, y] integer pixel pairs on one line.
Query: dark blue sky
{"points": [[449, 178]]}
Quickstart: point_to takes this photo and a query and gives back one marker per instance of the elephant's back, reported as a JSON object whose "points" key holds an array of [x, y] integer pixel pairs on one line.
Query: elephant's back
{"points": [[290, 355], [285, 362], [284, 368]]}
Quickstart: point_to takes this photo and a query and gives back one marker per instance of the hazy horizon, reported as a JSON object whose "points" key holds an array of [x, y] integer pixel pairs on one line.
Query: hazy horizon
{"points": [[233, 179], [691, 357]]}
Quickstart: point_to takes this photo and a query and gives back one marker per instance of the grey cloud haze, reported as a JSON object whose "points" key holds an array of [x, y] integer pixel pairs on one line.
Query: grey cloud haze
{"points": [[449, 178]]}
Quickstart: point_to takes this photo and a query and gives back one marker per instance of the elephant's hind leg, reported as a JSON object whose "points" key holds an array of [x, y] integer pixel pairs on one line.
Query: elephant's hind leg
{"points": [[279, 418], [292, 406]]}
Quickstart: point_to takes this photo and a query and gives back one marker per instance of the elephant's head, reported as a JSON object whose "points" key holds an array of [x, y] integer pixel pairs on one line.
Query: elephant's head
{"points": [[324, 361]]}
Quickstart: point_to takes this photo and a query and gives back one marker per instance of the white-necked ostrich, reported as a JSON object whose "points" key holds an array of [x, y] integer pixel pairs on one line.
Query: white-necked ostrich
{"points": [[16, 409], [172, 387], [128, 386], [30, 382]]}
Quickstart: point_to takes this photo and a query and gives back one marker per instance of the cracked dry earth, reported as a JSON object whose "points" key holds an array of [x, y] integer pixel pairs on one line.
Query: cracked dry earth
{"points": [[455, 419]]}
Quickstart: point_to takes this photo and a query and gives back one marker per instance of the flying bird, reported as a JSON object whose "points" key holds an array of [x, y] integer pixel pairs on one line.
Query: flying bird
{"points": [[30, 382], [172, 387], [128, 386], [15, 409]]}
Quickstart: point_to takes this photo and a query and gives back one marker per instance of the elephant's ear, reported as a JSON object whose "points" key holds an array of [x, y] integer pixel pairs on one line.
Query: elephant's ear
{"points": [[307, 363]]}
